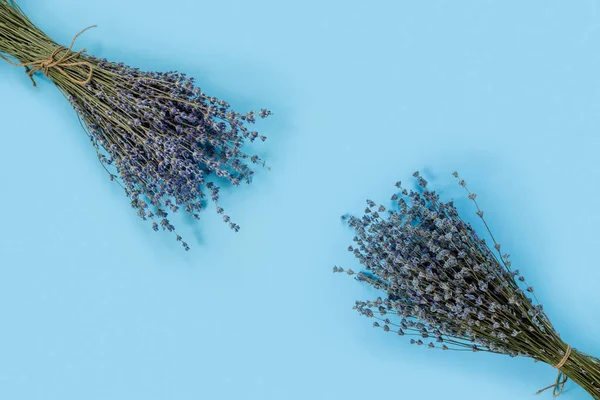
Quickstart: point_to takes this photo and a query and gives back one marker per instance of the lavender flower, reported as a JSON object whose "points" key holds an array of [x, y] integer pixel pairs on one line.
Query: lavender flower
{"points": [[165, 138], [166, 142], [441, 280]]}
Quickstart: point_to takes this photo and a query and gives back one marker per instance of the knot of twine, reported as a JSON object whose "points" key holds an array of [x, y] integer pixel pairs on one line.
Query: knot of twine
{"points": [[561, 378], [58, 64]]}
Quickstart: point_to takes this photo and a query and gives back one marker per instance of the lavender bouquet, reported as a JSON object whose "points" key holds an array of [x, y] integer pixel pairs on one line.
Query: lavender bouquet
{"points": [[156, 133], [447, 289]]}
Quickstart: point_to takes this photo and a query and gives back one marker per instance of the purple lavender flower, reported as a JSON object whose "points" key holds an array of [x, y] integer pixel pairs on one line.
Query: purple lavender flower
{"points": [[165, 139], [442, 281], [157, 134]]}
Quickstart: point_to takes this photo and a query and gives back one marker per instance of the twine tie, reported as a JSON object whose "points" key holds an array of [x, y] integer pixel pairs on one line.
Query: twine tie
{"points": [[561, 378], [65, 61]]}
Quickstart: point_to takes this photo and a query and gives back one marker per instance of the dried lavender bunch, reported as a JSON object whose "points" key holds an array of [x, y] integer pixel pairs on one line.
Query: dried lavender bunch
{"points": [[447, 289], [156, 133]]}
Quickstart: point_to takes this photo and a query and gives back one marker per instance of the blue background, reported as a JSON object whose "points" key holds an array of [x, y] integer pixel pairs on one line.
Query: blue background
{"points": [[95, 305]]}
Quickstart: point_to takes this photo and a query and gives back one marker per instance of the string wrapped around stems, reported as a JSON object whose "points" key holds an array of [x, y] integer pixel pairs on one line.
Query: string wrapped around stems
{"points": [[59, 64], [561, 378]]}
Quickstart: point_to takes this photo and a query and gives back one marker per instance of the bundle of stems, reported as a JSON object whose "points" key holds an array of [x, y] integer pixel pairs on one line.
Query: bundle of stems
{"points": [[156, 133], [446, 288]]}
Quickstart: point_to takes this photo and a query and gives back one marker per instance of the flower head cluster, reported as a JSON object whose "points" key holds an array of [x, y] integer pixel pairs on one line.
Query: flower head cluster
{"points": [[164, 140], [444, 286], [170, 145]]}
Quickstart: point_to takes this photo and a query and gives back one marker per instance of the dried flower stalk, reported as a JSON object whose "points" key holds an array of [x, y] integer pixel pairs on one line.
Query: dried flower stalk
{"points": [[446, 289], [157, 134]]}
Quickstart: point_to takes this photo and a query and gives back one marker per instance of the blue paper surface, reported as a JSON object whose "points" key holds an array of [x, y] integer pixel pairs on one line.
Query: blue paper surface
{"points": [[95, 305]]}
